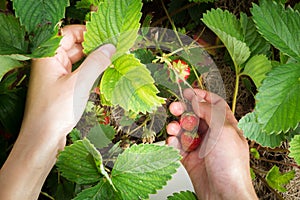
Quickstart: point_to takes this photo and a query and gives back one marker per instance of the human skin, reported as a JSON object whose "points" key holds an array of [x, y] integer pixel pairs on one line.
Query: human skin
{"points": [[219, 168], [55, 101]]}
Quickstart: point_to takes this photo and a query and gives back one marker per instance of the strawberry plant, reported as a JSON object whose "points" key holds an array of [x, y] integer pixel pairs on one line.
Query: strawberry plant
{"points": [[108, 155], [248, 40]]}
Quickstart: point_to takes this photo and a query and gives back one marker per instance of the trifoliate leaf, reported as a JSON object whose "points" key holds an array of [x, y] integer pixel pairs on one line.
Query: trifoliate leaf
{"points": [[256, 68], [142, 169], [278, 105], [183, 195], [276, 180], [295, 148], [115, 22], [256, 43], [226, 26], [79, 164], [102, 191], [279, 25], [129, 84], [37, 14], [252, 130], [7, 64], [101, 135], [12, 36]]}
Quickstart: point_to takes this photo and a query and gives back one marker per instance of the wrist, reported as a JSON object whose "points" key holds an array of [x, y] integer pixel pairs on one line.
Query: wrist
{"points": [[29, 163]]}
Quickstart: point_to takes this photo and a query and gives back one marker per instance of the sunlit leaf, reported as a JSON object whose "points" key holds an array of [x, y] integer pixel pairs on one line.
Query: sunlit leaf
{"points": [[279, 25], [139, 171], [183, 195], [276, 179], [256, 68], [115, 22], [295, 148], [129, 84], [278, 105]]}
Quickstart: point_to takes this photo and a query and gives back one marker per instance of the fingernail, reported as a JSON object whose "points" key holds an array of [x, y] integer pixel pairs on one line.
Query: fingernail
{"points": [[107, 49]]}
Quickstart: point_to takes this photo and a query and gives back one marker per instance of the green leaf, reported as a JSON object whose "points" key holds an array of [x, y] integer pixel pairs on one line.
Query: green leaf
{"points": [[12, 103], [12, 36], [256, 68], [252, 174], [183, 195], [37, 14], [255, 153], [101, 135], [278, 105], [256, 43], [75, 135], [115, 22], [253, 131], [102, 191], [78, 164], [7, 64], [279, 26], [129, 84], [226, 26], [139, 171], [276, 180], [47, 48], [295, 148]]}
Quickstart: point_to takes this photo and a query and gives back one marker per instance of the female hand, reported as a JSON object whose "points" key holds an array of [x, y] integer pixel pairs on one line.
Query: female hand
{"points": [[55, 102], [219, 167]]}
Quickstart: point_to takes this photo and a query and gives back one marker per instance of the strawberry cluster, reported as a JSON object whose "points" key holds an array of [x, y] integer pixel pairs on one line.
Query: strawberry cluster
{"points": [[189, 137]]}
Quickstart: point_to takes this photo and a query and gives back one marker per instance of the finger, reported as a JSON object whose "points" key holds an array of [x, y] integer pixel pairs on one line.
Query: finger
{"points": [[62, 57], [87, 73], [75, 54], [173, 128], [94, 65], [203, 95], [72, 34], [177, 108]]}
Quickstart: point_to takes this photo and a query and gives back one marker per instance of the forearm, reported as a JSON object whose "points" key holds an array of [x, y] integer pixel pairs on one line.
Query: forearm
{"points": [[23, 174]]}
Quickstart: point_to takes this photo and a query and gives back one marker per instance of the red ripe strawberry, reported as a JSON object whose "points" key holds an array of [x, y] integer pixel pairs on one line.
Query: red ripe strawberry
{"points": [[189, 141], [189, 121], [182, 68]]}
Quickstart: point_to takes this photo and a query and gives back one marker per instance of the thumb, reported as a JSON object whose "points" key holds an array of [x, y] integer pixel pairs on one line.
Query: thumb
{"points": [[94, 65], [86, 75]]}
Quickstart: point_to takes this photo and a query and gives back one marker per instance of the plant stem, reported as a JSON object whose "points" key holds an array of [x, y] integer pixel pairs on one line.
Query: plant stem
{"points": [[172, 14], [236, 89]]}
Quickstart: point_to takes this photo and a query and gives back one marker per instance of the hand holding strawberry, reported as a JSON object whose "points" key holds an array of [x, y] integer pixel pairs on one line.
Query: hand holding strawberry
{"points": [[220, 168]]}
